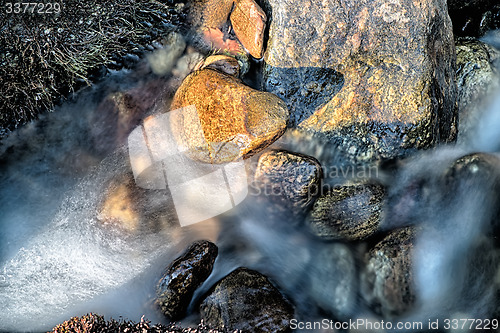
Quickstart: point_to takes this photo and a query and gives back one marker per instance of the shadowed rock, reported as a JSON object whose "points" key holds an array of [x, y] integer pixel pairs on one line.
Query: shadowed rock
{"points": [[246, 300], [478, 81], [176, 288]]}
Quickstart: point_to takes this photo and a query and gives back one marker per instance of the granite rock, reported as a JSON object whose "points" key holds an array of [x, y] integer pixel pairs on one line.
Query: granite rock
{"points": [[350, 212], [387, 281], [392, 63]]}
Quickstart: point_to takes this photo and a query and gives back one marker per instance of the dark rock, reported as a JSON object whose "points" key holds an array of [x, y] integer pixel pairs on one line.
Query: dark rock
{"points": [[350, 212], [246, 300], [387, 282], [236, 120], [94, 323], [394, 60], [474, 17], [288, 181], [333, 280], [478, 80], [222, 63], [476, 177], [176, 288]]}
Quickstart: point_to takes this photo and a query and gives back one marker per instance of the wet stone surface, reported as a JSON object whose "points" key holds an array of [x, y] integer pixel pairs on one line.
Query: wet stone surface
{"points": [[176, 288], [134, 210], [351, 212], [246, 300], [478, 80], [287, 181], [394, 64], [387, 281], [236, 121]]}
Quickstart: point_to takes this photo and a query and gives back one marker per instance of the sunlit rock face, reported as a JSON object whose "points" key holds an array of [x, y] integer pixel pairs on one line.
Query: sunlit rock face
{"points": [[391, 86], [230, 119]]}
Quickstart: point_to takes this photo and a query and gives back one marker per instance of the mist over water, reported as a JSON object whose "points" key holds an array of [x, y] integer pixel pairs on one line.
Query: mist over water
{"points": [[57, 260]]}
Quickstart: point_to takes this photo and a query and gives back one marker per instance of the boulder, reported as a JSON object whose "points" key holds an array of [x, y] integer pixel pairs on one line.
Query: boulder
{"points": [[385, 69], [287, 181], [350, 212], [249, 22], [387, 281], [231, 120], [183, 276], [246, 300]]}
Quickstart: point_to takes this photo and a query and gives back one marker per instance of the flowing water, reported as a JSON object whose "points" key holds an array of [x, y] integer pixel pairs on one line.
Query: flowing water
{"points": [[57, 260]]}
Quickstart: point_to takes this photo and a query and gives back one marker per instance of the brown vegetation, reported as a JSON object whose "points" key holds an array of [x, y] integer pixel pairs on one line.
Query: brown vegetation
{"points": [[43, 57]]}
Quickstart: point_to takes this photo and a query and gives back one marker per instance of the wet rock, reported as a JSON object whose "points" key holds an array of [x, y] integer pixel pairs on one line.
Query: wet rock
{"points": [[351, 212], [478, 80], [476, 177], [474, 17], [135, 210], [333, 280], [246, 300], [393, 62], [177, 286], [387, 282], [288, 181], [249, 22], [236, 120]]}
